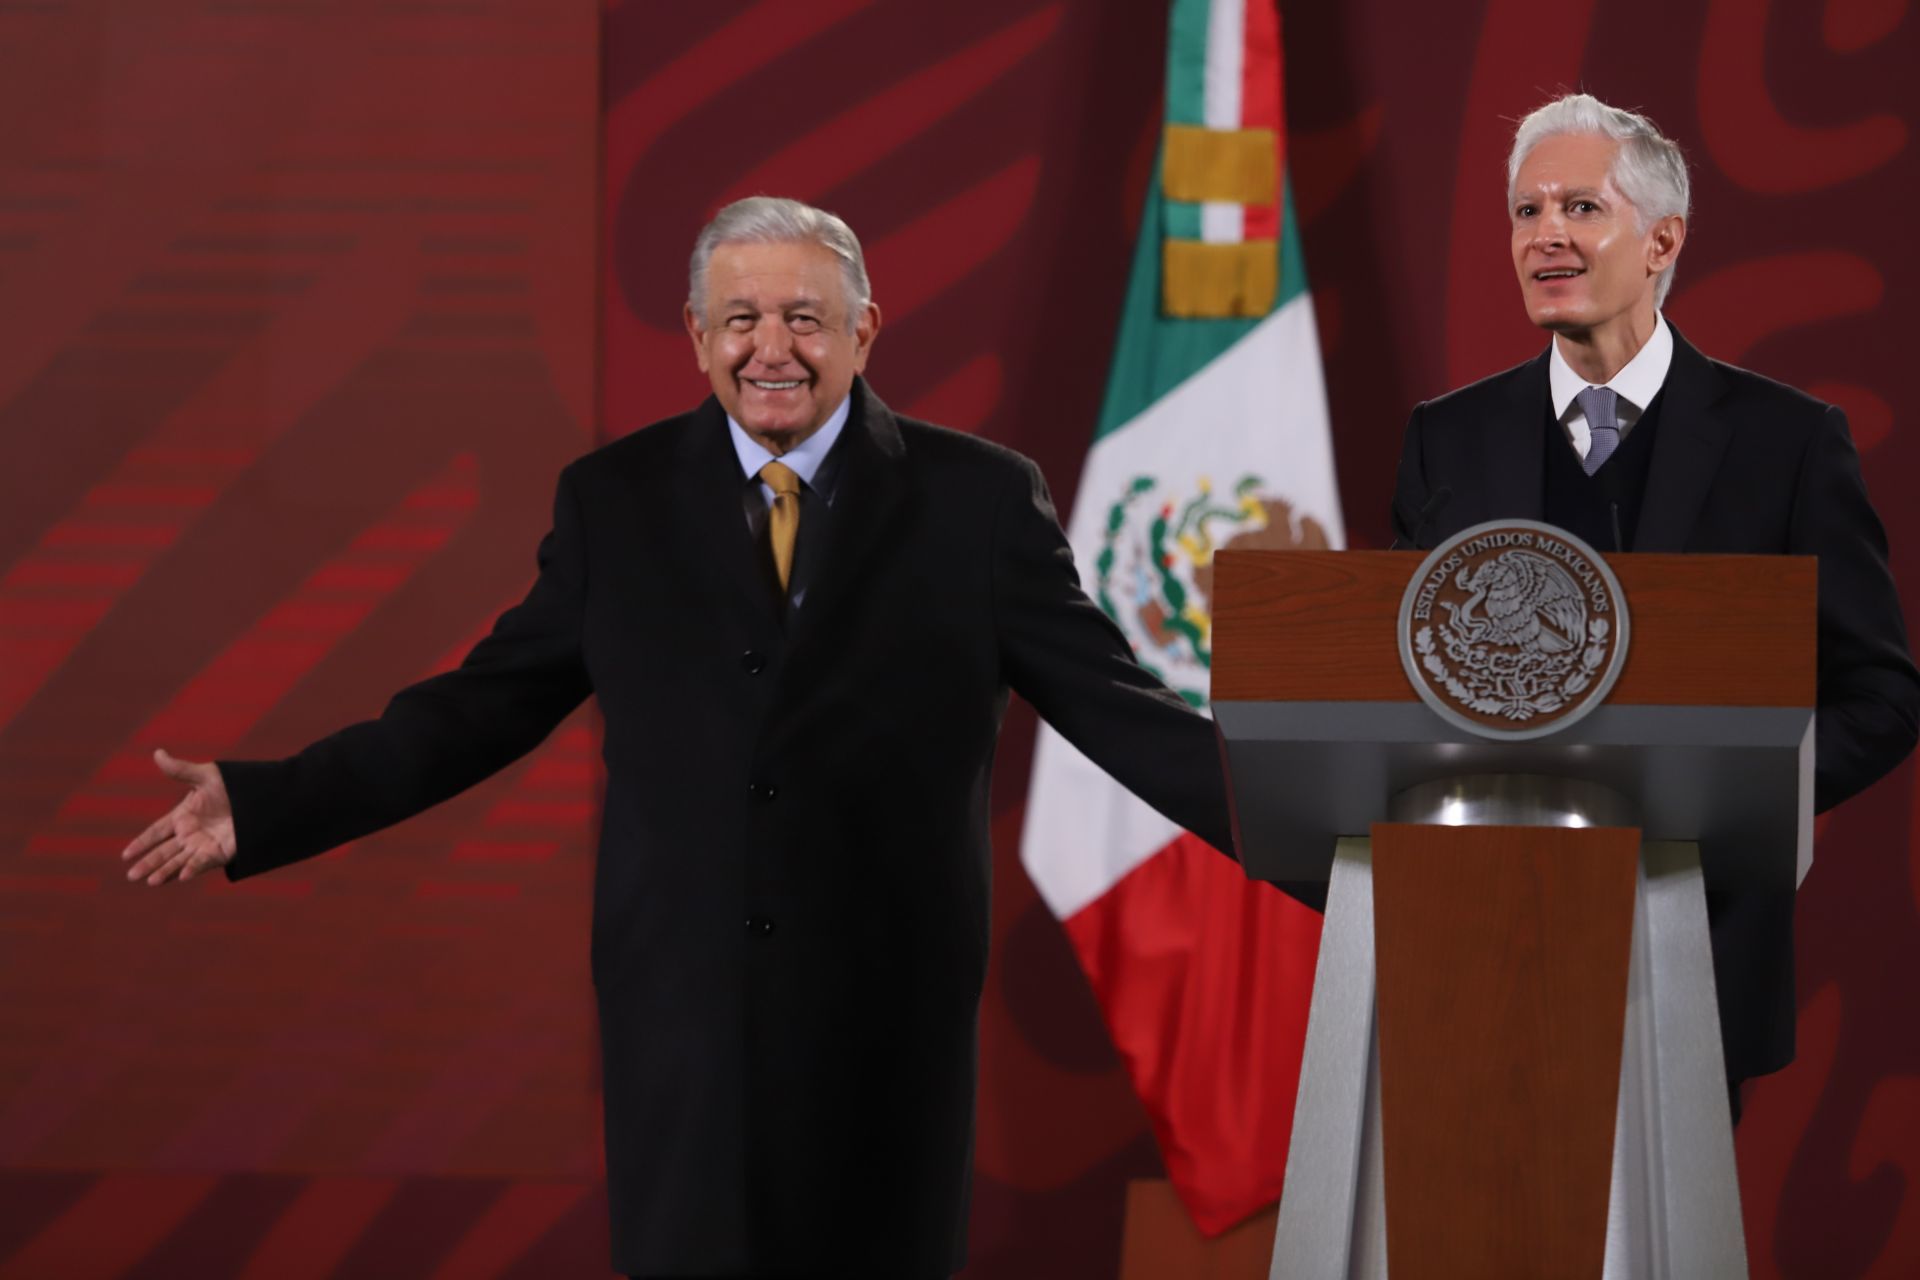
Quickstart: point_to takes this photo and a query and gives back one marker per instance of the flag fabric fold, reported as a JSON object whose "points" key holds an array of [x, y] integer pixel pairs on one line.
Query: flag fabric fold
{"points": [[1213, 434]]}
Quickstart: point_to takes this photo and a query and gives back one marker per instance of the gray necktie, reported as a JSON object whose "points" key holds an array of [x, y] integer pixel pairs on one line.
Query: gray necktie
{"points": [[1600, 404]]}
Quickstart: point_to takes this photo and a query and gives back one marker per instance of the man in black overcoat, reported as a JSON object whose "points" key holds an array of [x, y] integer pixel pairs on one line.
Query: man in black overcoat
{"points": [[801, 615], [1624, 434]]}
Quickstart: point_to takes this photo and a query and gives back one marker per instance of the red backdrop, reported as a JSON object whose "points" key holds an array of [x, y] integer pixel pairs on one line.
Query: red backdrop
{"points": [[298, 321], [296, 326]]}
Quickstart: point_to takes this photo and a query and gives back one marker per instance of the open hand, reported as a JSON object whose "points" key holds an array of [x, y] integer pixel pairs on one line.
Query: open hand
{"points": [[196, 836]]}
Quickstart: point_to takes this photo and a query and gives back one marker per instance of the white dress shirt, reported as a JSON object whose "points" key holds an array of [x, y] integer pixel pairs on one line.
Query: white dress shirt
{"points": [[1637, 383], [804, 459]]}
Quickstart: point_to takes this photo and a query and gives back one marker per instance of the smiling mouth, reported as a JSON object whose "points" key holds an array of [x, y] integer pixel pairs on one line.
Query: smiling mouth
{"points": [[1560, 273], [764, 385]]}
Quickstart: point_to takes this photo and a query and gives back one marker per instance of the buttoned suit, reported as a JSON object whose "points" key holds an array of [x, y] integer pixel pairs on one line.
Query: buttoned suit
{"points": [[1740, 465], [790, 905]]}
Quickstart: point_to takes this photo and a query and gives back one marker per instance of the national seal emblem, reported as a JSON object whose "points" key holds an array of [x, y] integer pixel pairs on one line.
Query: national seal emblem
{"points": [[1513, 629]]}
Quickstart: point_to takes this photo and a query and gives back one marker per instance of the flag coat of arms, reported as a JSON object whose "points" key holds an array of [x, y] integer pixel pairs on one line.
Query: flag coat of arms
{"points": [[1213, 435]]}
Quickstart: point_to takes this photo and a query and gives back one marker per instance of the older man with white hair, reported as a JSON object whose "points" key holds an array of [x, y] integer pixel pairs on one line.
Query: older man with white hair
{"points": [[801, 615], [1624, 434]]}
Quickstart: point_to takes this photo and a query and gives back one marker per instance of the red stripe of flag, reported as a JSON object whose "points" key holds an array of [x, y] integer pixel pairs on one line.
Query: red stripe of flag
{"points": [[1261, 102], [1204, 978]]}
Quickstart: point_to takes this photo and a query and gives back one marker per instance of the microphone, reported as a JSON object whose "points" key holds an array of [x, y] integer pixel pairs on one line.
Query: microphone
{"points": [[1613, 487], [1421, 519]]}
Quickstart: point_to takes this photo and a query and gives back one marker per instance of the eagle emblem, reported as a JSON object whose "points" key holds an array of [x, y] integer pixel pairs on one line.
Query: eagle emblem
{"points": [[1520, 599], [1153, 573], [1513, 629]]}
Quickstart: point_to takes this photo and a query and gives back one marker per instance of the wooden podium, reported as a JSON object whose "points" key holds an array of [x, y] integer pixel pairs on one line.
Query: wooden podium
{"points": [[1513, 1062]]}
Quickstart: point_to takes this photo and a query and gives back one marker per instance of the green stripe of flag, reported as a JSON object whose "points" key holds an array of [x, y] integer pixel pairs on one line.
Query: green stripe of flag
{"points": [[1187, 62], [1155, 353], [1179, 220]]}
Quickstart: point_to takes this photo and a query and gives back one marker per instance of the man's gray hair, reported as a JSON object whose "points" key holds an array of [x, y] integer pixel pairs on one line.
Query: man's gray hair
{"points": [[777, 220], [1649, 168]]}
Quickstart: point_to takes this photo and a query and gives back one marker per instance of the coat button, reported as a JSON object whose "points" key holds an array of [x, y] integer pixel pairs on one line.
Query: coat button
{"points": [[753, 662], [759, 927], [762, 791]]}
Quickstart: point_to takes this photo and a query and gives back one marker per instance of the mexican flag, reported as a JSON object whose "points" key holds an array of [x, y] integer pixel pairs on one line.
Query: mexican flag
{"points": [[1213, 435]]}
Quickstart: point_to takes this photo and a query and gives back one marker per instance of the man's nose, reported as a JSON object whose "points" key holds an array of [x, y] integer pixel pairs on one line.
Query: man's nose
{"points": [[771, 341], [1550, 231]]}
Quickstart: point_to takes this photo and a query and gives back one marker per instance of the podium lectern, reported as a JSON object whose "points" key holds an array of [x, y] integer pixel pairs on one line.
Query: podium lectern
{"points": [[1513, 1062]]}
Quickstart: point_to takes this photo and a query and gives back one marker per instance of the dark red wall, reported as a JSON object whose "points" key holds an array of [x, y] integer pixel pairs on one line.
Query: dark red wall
{"points": [[296, 326], [298, 320]]}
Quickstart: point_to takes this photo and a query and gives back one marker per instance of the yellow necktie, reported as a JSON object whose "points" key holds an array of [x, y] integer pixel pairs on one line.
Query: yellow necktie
{"points": [[783, 520]]}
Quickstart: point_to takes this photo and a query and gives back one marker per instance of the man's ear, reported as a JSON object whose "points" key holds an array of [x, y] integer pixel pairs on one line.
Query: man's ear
{"points": [[1663, 245], [697, 330], [865, 329]]}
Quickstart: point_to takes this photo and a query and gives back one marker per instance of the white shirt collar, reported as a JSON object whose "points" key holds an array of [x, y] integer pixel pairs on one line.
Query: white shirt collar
{"points": [[1637, 383], [804, 459]]}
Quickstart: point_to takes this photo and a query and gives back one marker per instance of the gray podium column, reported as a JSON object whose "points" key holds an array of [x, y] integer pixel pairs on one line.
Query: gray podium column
{"points": [[1674, 1210], [1332, 1215]]}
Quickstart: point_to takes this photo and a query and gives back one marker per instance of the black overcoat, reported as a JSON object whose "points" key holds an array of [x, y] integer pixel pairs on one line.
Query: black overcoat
{"points": [[790, 903], [1741, 465]]}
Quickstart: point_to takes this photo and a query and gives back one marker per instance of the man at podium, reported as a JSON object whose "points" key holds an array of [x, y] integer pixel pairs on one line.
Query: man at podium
{"points": [[1624, 434]]}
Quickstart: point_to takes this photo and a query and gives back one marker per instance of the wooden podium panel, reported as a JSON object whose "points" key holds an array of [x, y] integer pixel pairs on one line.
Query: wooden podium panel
{"points": [[1318, 626], [1502, 957]]}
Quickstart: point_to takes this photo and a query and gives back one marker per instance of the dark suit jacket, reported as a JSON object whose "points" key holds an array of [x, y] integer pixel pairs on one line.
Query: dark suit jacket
{"points": [[1741, 464], [790, 908]]}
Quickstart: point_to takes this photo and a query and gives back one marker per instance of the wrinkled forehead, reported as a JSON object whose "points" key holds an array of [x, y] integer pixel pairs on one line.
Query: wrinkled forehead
{"points": [[776, 275], [1565, 162]]}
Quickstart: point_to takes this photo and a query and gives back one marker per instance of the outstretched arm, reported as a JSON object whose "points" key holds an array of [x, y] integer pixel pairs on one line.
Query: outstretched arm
{"points": [[196, 836], [1068, 659], [434, 740]]}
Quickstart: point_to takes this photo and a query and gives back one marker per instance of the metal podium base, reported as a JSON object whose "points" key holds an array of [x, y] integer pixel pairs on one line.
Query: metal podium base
{"points": [[1674, 1209]]}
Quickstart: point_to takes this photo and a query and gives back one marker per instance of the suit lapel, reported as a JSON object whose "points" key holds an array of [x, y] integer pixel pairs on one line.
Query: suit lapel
{"points": [[1513, 445], [717, 553], [1691, 440], [869, 498]]}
